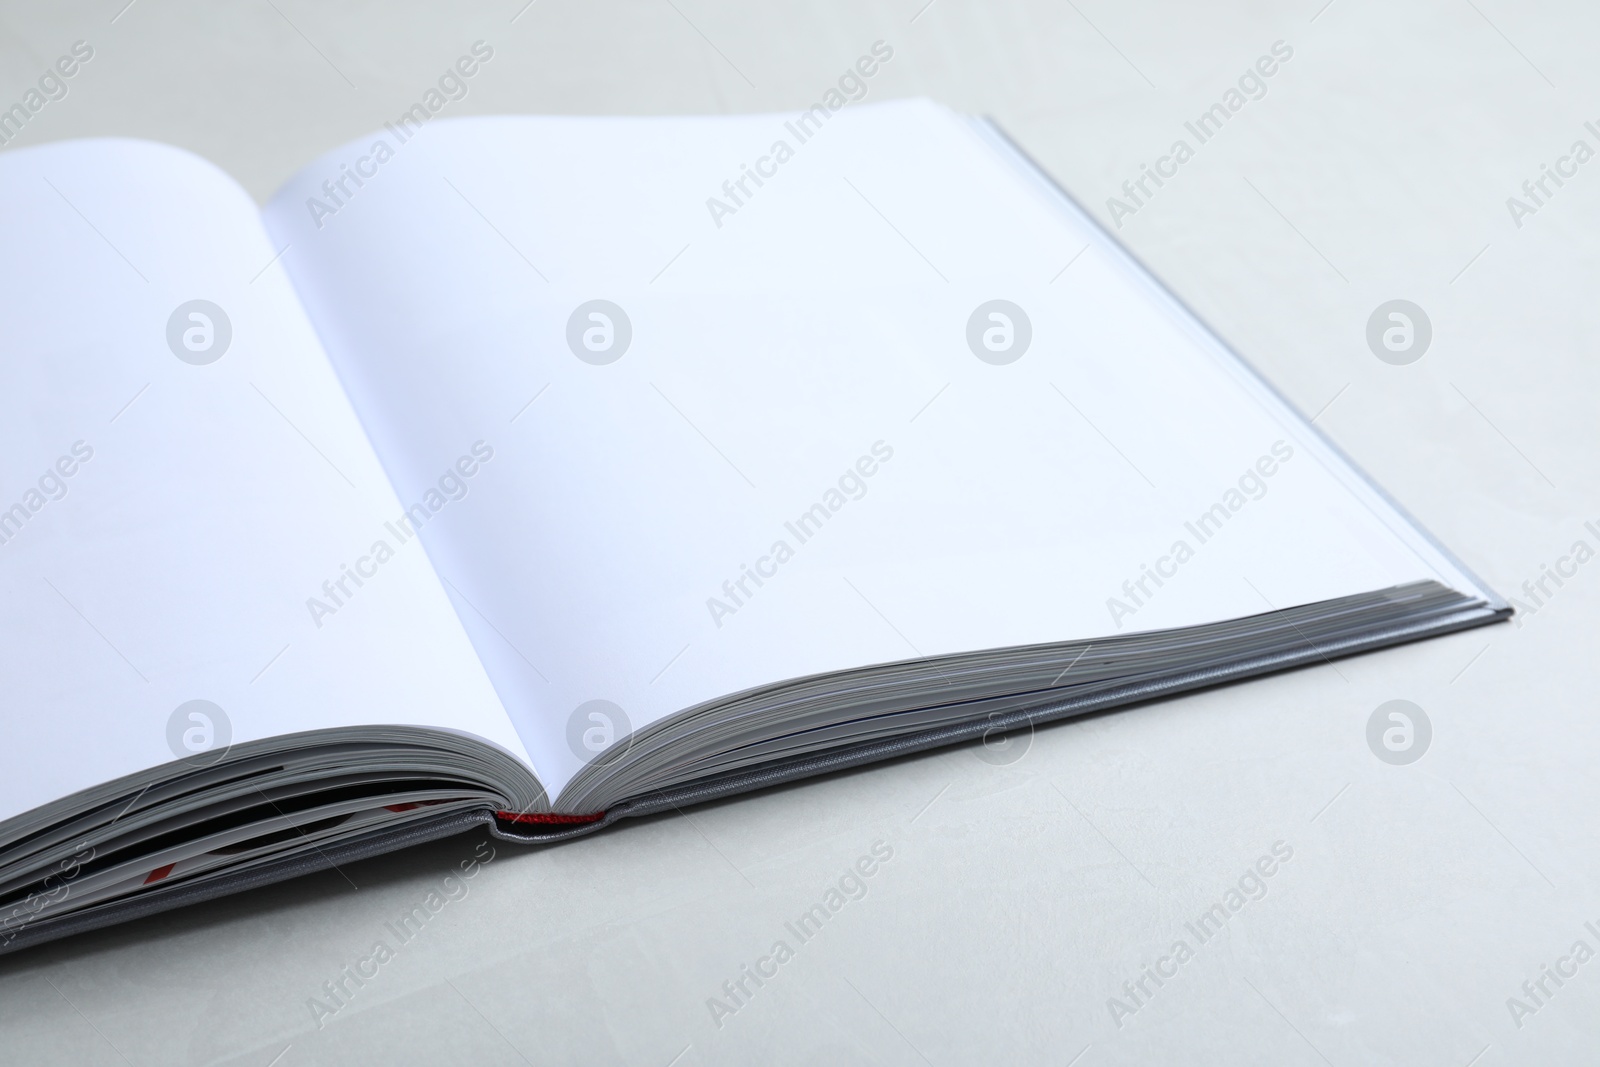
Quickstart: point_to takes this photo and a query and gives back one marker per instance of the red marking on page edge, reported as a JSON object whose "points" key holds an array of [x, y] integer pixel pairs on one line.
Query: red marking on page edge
{"points": [[548, 818], [159, 873]]}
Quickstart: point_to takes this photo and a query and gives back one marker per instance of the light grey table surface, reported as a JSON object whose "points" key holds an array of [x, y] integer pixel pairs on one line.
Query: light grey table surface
{"points": [[1020, 897]]}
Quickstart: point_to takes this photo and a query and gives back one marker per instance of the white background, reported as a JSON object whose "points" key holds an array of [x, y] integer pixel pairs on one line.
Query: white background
{"points": [[1020, 897]]}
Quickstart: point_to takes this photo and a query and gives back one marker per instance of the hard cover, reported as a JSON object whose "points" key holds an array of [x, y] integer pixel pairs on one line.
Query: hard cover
{"points": [[44, 928]]}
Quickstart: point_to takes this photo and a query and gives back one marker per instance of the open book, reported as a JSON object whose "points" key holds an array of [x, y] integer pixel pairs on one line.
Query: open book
{"points": [[539, 472]]}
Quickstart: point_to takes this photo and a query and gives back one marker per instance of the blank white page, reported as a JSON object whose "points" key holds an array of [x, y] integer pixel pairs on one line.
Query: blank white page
{"points": [[164, 520], [777, 353]]}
